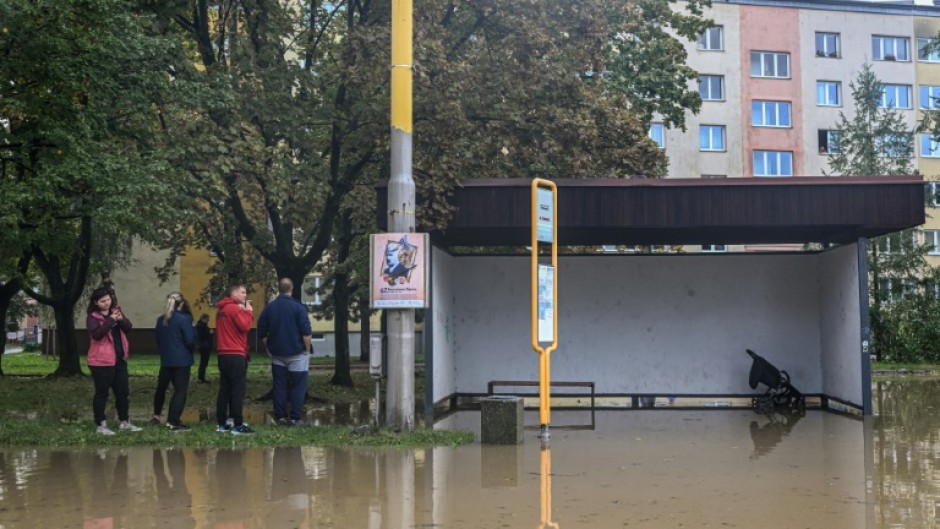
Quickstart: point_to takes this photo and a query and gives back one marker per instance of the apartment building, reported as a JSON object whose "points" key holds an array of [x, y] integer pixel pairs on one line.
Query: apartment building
{"points": [[775, 76]]}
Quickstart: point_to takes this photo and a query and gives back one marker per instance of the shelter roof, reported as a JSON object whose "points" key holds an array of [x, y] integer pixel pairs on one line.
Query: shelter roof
{"points": [[496, 212]]}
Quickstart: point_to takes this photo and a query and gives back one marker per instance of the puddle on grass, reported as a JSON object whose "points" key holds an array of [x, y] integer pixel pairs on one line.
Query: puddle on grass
{"points": [[677, 468]]}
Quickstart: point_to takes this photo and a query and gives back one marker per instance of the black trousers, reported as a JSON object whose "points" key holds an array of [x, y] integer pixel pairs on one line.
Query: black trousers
{"points": [[233, 370], [179, 377], [203, 363], [107, 379]]}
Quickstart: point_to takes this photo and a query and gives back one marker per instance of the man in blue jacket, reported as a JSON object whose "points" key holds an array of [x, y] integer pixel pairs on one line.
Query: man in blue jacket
{"points": [[285, 328]]}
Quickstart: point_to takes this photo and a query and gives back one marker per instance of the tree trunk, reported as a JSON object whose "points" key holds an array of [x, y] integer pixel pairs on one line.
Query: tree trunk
{"points": [[69, 365], [64, 293], [365, 326], [341, 295]]}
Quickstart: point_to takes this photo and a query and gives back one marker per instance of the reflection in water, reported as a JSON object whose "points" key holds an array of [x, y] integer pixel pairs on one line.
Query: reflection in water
{"points": [[678, 468], [777, 426]]}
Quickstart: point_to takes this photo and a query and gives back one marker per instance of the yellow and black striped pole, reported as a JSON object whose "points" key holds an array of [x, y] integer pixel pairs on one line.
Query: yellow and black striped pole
{"points": [[400, 396]]}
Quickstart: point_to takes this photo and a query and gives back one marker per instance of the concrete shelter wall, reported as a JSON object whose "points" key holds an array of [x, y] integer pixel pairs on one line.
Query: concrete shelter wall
{"points": [[840, 324], [641, 324], [443, 301]]}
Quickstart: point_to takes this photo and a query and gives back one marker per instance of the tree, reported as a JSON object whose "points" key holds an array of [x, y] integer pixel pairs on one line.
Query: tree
{"points": [[82, 87], [877, 141], [299, 112]]}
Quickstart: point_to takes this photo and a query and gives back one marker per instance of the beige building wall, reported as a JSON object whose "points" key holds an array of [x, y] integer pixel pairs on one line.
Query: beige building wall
{"points": [[855, 32], [685, 158], [137, 287]]}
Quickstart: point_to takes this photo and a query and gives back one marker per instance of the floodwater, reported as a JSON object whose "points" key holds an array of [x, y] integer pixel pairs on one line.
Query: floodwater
{"points": [[641, 468]]}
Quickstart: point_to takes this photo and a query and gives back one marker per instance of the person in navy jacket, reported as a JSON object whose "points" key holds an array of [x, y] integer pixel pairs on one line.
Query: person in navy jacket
{"points": [[176, 339], [285, 328]]}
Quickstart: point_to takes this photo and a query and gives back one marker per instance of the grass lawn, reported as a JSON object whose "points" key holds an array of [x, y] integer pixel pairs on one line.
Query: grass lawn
{"points": [[36, 410]]}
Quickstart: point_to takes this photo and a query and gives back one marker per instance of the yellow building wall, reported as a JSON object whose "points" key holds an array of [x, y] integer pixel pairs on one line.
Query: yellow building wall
{"points": [[927, 73]]}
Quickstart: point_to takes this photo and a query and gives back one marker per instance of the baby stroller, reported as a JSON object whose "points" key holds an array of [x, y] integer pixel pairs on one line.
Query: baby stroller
{"points": [[779, 391]]}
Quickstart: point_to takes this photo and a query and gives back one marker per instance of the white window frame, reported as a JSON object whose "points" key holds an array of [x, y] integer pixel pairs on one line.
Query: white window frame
{"points": [[928, 147], [887, 245], [824, 94], [706, 41], [767, 64], [831, 146], [824, 51], [314, 299], [886, 88], [711, 131], [710, 92], [921, 44], [662, 134], [932, 194], [929, 96], [884, 47], [880, 144], [779, 156], [932, 241], [770, 114]]}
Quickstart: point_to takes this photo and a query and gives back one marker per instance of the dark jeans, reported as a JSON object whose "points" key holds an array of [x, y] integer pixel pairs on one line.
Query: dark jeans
{"points": [[289, 372], [203, 363], [179, 376], [232, 372], [112, 378]]}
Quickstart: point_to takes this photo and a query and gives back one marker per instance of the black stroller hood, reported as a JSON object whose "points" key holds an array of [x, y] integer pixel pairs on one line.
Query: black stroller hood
{"points": [[763, 372]]}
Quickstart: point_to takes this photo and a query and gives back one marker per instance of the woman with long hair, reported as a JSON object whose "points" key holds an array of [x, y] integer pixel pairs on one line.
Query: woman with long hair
{"points": [[107, 359], [176, 338]]}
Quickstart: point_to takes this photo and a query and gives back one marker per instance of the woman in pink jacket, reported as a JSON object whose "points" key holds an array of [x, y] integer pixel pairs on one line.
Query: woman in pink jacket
{"points": [[107, 358]]}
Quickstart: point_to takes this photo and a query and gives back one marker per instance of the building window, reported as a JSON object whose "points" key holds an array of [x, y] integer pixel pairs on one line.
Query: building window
{"points": [[770, 113], [894, 289], [773, 163], [894, 145], [711, 137], [890, 48], [658, 134], [713, 39], [714, 248], [929, 96], [770, 64], [828, 93], [929, 148], [897, 243], [711, 87], [827, 45], [895, 96], [829, 141], [932, 194], [311, 291], [925, 52], [932, 241]]}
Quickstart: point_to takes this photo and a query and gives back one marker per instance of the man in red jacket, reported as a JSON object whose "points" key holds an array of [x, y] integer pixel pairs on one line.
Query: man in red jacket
{"points": [[232, 323]]}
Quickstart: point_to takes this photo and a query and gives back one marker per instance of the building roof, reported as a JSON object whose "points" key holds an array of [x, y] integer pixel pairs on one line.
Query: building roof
{"points": [[496, 212]]}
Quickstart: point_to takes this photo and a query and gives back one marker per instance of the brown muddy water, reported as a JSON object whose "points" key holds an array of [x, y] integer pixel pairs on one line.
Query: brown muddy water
{"points": [[641, 468]]}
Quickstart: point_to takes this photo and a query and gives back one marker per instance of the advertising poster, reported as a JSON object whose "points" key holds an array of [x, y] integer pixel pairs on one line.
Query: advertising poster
{"points": [[545, 211], [399, 270], [546, 303]]}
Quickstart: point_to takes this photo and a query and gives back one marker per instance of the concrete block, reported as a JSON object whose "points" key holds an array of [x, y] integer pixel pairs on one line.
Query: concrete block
{"points": [[501, 420]]}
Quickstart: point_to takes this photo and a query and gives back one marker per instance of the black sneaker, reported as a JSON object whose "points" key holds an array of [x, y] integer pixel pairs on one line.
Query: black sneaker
{"points": [[283, 421], [242, 429], [177, 427], [298, 424]]}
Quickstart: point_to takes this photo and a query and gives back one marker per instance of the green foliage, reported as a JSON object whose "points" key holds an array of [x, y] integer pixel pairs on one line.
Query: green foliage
{"points": [[905, 311]]}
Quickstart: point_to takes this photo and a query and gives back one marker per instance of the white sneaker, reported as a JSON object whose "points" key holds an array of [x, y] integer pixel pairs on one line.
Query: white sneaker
{"points": [[126, 426], [103, 429]]}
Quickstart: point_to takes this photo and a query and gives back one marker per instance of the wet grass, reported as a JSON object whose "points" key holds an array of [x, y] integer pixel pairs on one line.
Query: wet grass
{"points": [[902, 367], [37, 410]]}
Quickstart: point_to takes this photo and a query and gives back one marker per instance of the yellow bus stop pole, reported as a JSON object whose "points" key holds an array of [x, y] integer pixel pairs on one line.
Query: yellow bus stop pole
{"points": [[544, 353]]}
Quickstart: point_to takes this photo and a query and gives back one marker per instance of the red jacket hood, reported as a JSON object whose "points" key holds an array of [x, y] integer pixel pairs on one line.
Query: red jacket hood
{"points": [[224, 302]]}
